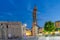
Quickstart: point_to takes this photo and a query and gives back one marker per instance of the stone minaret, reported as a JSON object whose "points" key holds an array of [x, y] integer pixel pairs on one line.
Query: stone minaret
{"points": [[34, 15], [34, 23]]}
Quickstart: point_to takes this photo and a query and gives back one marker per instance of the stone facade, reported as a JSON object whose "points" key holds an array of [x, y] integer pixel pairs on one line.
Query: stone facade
{"points": [[10, 29], [41, 29], [57, 24], [34, 31]]}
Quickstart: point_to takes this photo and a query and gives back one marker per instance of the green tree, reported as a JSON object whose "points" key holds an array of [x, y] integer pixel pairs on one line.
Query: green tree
{"points": [[49, 26]]}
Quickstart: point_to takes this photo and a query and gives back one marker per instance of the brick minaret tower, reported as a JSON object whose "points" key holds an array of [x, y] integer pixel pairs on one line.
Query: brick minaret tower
{"points": [[34, 15], [34, 23]]}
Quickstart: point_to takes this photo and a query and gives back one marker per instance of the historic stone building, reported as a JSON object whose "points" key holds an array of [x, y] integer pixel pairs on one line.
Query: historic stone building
{"points": [[10, 29], [57, 25], [41, 29], [28, 32]]}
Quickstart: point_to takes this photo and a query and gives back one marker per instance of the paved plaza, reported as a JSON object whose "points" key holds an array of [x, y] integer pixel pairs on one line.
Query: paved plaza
{"points": [[43, 38], [36, 38]]}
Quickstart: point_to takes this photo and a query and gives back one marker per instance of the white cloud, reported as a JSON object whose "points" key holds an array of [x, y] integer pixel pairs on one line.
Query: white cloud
{"points": [[40, 16], [29, 6], [12, 2], [10, 14], [1, 16]]}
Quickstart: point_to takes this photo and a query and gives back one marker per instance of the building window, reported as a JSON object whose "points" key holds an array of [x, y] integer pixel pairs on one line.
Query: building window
{"points": [[1, 24], [7, 26]]}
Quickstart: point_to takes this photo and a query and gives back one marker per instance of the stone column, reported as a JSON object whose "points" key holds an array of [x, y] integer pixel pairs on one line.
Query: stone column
{"points": [[5, 32]]}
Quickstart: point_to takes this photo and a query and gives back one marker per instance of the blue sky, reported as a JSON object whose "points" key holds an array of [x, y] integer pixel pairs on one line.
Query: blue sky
{"points": [[21, 10]]}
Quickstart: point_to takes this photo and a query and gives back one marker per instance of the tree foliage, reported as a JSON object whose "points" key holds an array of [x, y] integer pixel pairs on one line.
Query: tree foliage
{"points": [[49, 26]]}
